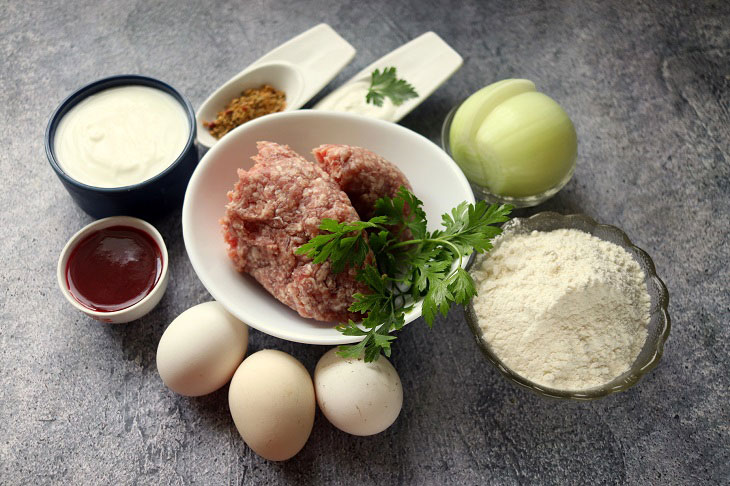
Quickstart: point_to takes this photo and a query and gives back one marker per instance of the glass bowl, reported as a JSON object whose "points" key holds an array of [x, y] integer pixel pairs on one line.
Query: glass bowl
{"points": [[659, 324], [482, 192]]}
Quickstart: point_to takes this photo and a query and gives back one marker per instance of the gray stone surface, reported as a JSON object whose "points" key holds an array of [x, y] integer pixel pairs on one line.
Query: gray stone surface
{"points": [[647, 86]]}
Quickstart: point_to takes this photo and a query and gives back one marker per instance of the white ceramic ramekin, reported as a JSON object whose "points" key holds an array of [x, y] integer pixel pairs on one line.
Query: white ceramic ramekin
{"points": [[135, 311]]}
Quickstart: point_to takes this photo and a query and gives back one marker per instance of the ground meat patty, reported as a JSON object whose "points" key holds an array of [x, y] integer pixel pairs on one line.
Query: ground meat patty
{"points": [[277, 206], [363, 175]]}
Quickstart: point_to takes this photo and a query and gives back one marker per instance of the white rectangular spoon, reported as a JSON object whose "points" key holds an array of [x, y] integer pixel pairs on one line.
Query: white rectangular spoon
{"points": [[426, 62], [300, 67]]}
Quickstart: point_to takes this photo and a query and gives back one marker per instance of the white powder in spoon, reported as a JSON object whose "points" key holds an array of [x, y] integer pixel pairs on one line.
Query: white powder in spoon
{"points": [[563, 308]]}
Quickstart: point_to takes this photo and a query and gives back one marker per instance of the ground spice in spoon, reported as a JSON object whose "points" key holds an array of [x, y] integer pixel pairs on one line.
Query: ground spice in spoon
{"points": [[252, 103]]}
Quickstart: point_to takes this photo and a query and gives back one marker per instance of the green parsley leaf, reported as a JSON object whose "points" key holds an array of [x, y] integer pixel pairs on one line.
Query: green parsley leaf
{"points": [[404, 212], [351, 329], [344, 244], [387, 84], [437, 298], [469, 226], [462, 287]]}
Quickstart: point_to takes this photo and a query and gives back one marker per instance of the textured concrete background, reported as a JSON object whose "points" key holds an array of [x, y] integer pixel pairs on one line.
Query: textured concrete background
{"points": [[647, 86]]}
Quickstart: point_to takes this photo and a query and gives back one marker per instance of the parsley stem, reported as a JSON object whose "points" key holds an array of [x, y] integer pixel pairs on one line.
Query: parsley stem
{"points": [[430, 240], [404, 243]]}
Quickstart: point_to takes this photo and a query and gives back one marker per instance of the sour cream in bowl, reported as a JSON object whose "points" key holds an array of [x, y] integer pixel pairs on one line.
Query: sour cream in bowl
{"points": [[123, 145]]}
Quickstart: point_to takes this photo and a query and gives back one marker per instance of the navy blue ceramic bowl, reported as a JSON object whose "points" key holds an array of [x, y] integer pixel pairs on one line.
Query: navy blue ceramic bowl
{"points": [[153, 197]]}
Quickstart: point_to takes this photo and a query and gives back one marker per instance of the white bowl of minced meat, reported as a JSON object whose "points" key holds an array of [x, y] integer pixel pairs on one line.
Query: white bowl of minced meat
{"points": [[262, 192]]}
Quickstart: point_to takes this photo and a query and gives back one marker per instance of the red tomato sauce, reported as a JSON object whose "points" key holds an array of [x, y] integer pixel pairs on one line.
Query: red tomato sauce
{"points": [[113, 268]]}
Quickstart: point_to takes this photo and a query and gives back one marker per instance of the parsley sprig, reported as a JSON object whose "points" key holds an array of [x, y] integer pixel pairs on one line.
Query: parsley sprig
{"points": [[410, 263], [387, 84]]}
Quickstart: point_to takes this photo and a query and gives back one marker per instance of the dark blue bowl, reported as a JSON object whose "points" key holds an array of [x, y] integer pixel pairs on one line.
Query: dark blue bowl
{"points": [[153, 197]]}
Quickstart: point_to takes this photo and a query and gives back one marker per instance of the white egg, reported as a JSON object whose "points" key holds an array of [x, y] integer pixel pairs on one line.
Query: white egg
{"points": [[271, 398], [201, 349], [357, 397]]}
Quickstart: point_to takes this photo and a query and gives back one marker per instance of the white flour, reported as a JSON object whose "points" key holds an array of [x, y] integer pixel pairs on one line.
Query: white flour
{"points": [[563, 308]]}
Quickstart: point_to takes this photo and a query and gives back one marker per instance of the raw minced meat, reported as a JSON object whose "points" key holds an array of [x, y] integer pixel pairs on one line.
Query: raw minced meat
{"points": [[363, 175], [277, 206]]}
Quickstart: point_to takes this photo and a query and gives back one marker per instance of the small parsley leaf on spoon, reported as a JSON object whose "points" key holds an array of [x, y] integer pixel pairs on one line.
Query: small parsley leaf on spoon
{"points": [[387, 85]]}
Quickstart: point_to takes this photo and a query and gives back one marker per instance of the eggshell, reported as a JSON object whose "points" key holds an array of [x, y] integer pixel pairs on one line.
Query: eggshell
{"points": [[271, 398], [201, 349], [357, 397]]}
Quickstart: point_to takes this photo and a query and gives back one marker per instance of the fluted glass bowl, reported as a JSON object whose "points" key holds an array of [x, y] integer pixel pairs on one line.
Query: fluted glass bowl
{"points": [[659, 325]]}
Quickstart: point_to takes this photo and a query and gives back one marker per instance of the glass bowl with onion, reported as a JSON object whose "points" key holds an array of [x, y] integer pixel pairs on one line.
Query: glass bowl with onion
{"points": [[659, 322], [515, 145]]}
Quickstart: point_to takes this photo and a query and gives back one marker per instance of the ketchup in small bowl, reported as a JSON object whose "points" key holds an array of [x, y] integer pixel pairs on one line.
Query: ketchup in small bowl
{"points": [[114, 270]]}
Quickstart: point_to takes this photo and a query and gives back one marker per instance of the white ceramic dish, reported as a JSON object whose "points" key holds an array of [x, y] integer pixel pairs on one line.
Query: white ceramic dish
{"points": [[300, 67], [139, 309], [434, 176], [426, 62]]}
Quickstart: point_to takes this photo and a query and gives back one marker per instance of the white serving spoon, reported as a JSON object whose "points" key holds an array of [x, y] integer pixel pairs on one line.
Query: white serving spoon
{"points": [[426, 62], [300, 67]]}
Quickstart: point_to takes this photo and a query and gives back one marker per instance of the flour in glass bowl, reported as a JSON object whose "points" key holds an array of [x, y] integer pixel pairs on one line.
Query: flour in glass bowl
{"points": [[564, 309]]}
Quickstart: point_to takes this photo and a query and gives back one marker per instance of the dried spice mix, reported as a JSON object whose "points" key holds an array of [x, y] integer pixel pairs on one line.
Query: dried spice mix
{"points": [[252, 103]]}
